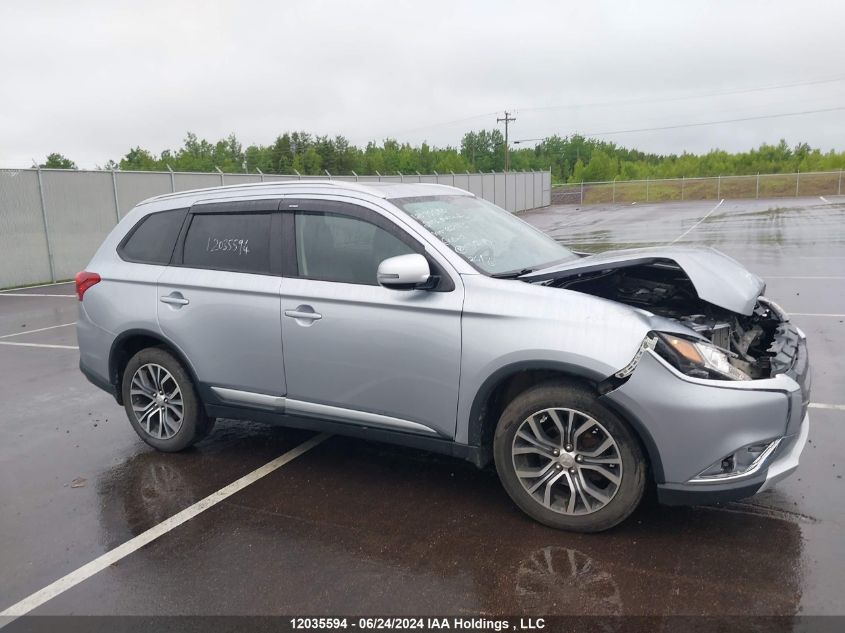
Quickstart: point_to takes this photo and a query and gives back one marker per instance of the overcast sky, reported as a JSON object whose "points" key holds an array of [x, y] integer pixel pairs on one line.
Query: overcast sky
{"points": [[90, 79]]}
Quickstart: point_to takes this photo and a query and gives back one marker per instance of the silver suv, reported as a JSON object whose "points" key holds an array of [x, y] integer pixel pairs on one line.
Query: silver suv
{"points": [[421, 315]]}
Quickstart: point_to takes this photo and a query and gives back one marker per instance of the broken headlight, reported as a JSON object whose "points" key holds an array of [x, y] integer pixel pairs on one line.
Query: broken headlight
{"points": [[697, 358]]}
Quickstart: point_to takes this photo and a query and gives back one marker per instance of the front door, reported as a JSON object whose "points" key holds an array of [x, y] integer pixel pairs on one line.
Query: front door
{"points": [[219, 300], [355, 351]]}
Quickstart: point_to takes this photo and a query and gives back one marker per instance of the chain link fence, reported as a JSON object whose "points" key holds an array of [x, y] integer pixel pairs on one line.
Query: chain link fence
{"points": [[52, 220], [710, 188]]}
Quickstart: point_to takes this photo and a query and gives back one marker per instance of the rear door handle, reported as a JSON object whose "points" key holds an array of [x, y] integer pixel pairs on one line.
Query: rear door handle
{"points": [[175, 299]]}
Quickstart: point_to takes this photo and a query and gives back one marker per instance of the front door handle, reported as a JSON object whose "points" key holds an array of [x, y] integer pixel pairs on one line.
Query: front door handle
{"points": [[304, 314], [175, 299]]}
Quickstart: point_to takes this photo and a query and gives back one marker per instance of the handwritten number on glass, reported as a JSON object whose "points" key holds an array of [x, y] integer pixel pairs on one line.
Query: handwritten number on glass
{"points": [[237, 246]]}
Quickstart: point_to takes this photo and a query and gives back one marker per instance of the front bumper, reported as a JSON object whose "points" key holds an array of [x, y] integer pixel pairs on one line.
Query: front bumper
{"points": [[779, 466], [688, 424]]}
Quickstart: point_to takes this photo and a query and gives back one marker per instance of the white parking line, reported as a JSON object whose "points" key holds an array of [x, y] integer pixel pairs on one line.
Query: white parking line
{"points": [[38, 345], [60, 283], [32, 294], [821, 405], [815, 314], [109, 558], [699, 222], [41, 329]]}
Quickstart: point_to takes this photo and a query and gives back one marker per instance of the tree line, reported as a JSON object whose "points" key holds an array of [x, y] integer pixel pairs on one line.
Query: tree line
{"points": [[571, 159]]}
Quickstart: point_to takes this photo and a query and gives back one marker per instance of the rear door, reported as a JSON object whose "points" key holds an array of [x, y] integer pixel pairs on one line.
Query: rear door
{"points": [[219, 303]]}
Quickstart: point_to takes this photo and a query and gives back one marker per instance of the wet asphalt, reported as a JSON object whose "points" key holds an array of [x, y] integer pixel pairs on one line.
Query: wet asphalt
{"points": [[363, 528]]}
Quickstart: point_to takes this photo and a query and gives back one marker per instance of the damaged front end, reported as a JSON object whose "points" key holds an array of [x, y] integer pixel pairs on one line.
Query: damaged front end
{"points": [[738, 347], [719, 387], [713, 341]]}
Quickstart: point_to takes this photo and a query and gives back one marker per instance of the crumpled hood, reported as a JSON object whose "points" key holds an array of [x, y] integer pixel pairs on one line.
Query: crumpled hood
{"points": [[717, 278]]}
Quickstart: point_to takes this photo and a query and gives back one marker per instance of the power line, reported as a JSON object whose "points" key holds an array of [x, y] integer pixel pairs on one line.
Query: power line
{"points": [[686, 97], [698, 124], [629, 102], [445, 123], [508, 119]]}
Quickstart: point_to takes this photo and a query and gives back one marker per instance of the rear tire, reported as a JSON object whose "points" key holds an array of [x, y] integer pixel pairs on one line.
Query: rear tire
{"points": [[161, 402], [567, 460]]}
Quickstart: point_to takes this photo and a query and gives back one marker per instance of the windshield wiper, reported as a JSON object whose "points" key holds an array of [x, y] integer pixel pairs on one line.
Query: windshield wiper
{"points": [[512, 274]]}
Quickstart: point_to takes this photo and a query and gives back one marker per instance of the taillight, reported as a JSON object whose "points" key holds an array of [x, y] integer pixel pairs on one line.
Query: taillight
{"points": [[85, 280]]}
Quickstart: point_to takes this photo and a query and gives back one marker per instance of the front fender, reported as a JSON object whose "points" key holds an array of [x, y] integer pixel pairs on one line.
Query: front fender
{"points": [[510, 366], [512, 326]]}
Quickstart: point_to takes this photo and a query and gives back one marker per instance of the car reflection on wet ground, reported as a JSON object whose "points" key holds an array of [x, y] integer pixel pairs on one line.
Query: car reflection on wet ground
{"points": [[361, 528]]}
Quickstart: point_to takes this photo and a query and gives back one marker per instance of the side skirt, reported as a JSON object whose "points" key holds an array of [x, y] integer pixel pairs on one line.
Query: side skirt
{"points": [[477, 455], [221, 402]]}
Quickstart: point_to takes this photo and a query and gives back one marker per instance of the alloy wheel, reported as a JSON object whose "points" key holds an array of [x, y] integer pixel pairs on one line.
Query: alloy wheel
{"points": [[156, 401], [567, 461]]}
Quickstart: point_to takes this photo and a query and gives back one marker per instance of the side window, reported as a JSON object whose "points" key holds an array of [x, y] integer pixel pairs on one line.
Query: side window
{"points": [[153, 238], [334, 247], [238, 242]]}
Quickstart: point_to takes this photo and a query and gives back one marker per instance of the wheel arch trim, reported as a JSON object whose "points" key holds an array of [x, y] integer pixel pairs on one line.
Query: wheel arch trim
{"points": [[475, 425], [123, 337]]}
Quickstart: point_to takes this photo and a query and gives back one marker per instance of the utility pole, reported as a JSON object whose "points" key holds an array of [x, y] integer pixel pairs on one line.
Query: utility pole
{"points": [[508, 119]]}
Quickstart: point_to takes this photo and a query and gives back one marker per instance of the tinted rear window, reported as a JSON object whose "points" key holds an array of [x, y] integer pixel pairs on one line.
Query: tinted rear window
{"points": [[238, 242], [153, 238]]}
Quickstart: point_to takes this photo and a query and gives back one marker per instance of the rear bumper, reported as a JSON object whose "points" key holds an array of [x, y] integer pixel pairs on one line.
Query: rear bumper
{"points": [[94, 350], [780, 465], [98, 380]]}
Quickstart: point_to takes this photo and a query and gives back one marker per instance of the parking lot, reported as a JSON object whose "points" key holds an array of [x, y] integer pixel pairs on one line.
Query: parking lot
{"points": [[354, 528]]}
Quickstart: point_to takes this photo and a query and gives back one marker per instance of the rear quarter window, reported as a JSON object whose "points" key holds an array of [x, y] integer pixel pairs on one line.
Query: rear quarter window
{"points": [[151, 241], [237, 242]]}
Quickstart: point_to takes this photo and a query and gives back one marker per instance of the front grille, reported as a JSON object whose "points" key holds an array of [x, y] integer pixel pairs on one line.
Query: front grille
{"points": [[800, 372], [784, 348], [793, 353]]}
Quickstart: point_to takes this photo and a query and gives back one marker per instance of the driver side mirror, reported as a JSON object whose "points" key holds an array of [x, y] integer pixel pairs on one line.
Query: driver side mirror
{"points": [[405, 272]]}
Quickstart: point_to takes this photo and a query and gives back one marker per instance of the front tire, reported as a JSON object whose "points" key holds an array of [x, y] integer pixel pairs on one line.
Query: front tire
{"points": [[161, 402], [567, 460]]}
